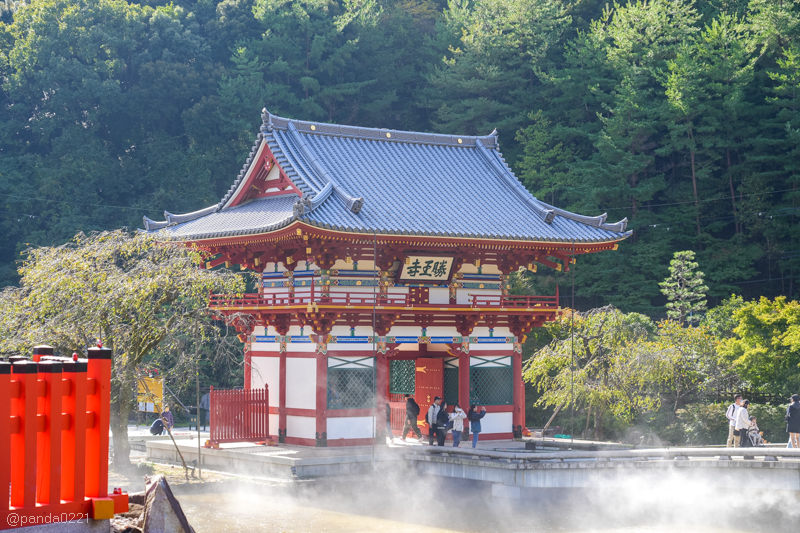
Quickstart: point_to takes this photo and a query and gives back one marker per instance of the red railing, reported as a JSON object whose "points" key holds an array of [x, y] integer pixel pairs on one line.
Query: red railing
{"points": [[54, 422], [239, 415], [310, 295]]}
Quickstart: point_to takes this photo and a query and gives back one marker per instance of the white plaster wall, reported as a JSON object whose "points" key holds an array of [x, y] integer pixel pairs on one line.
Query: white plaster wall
{"points": [[302, 427], [356, 427], [503, 361], [266, 370], [301, 383], [273, 424], [464, 296], [439, 296], [497, 423]]}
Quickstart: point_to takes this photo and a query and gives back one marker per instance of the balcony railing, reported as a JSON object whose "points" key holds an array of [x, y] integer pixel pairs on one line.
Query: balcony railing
{"points": [[312, 295]]}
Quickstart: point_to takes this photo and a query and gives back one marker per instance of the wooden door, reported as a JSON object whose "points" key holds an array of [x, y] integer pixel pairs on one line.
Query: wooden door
{"points": [[429, 378]]}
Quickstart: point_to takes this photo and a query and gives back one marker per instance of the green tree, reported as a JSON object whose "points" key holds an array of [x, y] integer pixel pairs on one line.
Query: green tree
{"points": [[138, 295], [765, 350], [684, 288]]}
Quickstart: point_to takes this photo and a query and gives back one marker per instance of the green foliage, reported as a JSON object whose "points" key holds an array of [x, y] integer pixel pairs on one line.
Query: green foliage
{"points": [[765, 348], [140, 296], [684, 288]]}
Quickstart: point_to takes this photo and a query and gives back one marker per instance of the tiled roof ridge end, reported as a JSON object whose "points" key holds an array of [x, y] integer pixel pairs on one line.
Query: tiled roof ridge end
{"points": [[272, 122]]}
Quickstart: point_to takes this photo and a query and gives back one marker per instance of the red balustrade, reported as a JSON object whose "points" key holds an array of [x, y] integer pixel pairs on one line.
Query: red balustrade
{"points": [[239, 415], [54, 427]]}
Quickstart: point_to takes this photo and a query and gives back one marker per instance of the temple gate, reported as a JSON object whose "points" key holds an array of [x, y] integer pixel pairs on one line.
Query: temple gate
{"points": [[385, 259]]}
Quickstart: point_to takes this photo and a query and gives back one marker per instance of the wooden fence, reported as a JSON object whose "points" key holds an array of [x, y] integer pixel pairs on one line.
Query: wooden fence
{"points": [[239, 415], [54, 433]]}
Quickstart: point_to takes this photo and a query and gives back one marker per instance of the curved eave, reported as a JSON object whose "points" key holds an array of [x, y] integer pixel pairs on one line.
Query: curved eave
{"points": [[280, 230]]}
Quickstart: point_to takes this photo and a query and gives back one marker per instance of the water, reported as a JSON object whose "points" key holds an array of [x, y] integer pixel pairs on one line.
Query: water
{"points": [[434, 505]]}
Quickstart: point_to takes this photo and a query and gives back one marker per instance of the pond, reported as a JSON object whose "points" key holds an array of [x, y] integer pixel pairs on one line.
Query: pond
{"points": [[435, 505]]}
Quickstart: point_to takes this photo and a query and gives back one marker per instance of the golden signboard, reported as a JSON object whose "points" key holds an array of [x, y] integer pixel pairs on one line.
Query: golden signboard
{"points": [[150, 394], [420, 269]]}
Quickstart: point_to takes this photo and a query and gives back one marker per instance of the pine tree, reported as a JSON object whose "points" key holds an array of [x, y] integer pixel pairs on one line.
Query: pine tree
{"points": [[684, 288]]}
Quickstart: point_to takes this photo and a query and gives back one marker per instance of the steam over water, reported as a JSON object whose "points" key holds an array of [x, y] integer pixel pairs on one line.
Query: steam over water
{"points": [[406, 502]]}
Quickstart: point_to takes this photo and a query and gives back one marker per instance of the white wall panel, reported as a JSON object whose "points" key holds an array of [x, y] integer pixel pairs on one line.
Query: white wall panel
{"points": [[273, 424], [356, 427], [302, 427], [439, 296], [301, 383], [497, 423], [266, 370]]}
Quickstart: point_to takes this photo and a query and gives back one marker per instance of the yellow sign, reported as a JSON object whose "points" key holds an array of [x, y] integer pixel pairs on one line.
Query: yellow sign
{"points": [[150, 395], [423, 268]]}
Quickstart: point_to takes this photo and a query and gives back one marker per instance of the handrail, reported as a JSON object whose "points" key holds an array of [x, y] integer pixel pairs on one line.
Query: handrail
{"points": [[310, 295], [642, 454]]}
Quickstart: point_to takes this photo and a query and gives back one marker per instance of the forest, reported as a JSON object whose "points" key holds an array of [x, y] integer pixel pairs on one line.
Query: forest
{"points": [[683, 116]]}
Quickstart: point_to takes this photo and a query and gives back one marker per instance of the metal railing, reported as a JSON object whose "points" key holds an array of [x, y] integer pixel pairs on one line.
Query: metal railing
{"points": [[770, 454]]}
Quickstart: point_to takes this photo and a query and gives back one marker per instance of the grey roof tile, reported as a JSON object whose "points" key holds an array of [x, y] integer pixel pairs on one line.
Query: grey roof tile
{"points": [[412, 183]]}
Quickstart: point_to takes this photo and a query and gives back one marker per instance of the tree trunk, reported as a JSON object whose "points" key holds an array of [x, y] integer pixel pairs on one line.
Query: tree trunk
{"points": [[598, 424], [733, 193], [119, 428]]}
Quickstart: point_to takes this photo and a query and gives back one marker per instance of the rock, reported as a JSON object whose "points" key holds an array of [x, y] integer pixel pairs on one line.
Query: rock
{"points": [[136, 497], [162, 512]]}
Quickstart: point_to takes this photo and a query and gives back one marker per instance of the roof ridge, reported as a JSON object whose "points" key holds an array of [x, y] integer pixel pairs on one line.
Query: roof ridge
{"points": [[271, 122]]}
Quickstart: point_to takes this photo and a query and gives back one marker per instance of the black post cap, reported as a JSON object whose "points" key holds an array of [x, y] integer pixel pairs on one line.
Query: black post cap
{"points": [[75, 366], [5, 368], [98, 352], [25, 367], [43, 349], [50, 367]]}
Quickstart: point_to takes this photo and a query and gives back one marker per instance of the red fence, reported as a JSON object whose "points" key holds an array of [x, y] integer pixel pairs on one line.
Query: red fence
{"points": [[239, 415], [54, 421], [304, 296]]}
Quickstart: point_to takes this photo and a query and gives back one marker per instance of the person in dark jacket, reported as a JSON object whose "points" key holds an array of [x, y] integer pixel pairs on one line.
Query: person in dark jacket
{"points": [[474, 418], [389, 432], [157, 427], [442, 419], [412, 412], [168, 419], [793, 421]]}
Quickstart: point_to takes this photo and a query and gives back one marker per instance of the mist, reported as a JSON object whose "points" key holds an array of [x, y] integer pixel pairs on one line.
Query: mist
{"points": [[396, 498]]}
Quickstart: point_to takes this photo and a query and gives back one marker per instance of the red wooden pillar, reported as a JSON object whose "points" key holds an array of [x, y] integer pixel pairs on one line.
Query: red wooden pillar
{"points": [[248, 371], [5, 435], [73, 442], [48, 490], [23, 442], [99, 403], [281, 394], [322, 394], [519, 391], [463, 380], [381, 391]]}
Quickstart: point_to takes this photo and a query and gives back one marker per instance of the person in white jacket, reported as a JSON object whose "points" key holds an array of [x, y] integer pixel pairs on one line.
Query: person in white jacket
{"points": [[742, 424], [457, 417]]}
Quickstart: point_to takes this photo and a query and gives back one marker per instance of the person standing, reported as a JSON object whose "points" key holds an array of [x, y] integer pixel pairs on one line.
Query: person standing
{"points": [[730, 414], [412, 412], [457, 418], [168, 419], [742, 424], [474, 418], [389, 432], [205, 407], [793, 421], [442, 421], [430, 418]]}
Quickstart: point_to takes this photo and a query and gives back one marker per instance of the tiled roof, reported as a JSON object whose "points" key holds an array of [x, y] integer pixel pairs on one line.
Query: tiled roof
{"points": [[391, 182]]}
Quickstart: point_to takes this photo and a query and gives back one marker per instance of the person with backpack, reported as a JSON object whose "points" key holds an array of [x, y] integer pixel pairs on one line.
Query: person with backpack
{"points": [[430, 418], [793, 421], [412, 412], [457, 418], [730, 414], [474, 418], [442, 424], [742, 425]]}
